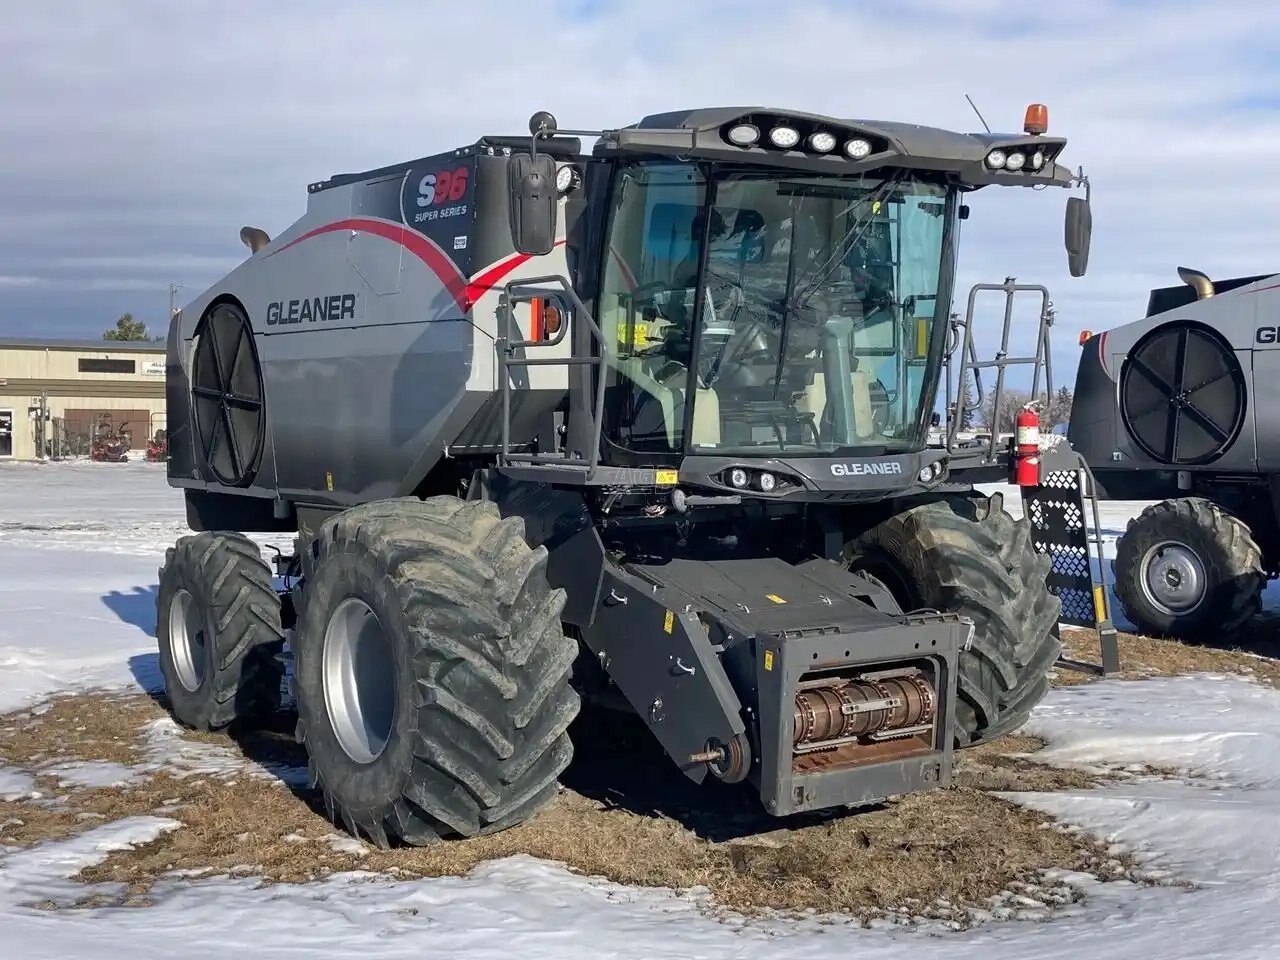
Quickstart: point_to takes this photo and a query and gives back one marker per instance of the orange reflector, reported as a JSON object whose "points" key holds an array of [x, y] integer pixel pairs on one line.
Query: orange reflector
{"points": [[1085, 336], [1037, 120], [535, 319], [551, 321]]}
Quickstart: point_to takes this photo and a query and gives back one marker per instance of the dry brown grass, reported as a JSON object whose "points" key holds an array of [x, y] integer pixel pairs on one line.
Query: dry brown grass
{"points": [[624, 815], [1145, 657], [100, 726]]}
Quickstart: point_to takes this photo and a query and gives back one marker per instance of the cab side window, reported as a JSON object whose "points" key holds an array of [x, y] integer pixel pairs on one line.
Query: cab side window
{"points": [[646, 303]]}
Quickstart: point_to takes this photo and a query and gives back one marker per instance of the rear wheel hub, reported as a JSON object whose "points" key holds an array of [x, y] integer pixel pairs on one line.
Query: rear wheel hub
{"points": [[359, 683], [1173, 578]]}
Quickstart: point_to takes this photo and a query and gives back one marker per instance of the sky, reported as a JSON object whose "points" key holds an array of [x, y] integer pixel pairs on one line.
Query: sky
{"points": [[138, 136]]}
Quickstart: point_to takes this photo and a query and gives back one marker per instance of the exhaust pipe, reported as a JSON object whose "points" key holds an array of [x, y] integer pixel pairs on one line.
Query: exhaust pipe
{"points": [[1197, 281]]}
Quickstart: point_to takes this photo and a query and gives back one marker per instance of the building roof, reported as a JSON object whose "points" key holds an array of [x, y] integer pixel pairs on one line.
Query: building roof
{"points": [[95, 346]]}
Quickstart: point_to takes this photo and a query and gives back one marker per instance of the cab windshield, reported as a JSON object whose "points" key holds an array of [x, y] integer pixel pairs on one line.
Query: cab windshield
{"points": [[795, 314]]}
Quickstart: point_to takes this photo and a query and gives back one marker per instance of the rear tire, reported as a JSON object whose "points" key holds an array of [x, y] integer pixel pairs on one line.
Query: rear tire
{"points": [[218, 627], [431, 671], [1186, 568], [965, 555]]}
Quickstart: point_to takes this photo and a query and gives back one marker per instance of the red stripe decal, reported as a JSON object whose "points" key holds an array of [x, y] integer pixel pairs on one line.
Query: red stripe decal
{"points": [[411, 240], [627, 276], [1102, 357], [484, 282], [464, 294]]}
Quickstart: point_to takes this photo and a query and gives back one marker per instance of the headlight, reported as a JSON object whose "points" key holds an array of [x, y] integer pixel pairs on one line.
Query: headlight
{"points": [[996, 159], [822, 142], [768, 482], [738, 477], [784, 137], [929, 473], [1037, 160], [858, 149], [567, 178], [1017, 159], [744, 134]]}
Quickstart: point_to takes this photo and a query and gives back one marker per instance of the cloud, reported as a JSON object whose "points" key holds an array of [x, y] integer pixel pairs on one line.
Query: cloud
{"points": [[141, 135]]}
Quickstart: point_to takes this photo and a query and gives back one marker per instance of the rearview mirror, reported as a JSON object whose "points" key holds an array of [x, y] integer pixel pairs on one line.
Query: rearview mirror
{"points": [[532, 182], [1079, 231]]}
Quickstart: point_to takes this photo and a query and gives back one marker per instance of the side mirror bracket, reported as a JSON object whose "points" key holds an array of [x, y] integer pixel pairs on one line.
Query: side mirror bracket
{"points": [[1078, 228]]}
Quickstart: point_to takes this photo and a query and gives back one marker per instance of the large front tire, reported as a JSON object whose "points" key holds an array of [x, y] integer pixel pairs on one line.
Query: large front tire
{"points": [[218, 627], [432, 673], [1186, 568], [965, 555]]}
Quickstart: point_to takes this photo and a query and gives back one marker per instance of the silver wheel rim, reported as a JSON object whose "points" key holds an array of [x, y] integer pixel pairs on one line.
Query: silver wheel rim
{"points": [[187, 641], [1173, 578], [359, 685]]}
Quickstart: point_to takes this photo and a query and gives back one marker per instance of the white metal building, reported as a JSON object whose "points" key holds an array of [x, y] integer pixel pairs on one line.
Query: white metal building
{"points": [[55, 395]]}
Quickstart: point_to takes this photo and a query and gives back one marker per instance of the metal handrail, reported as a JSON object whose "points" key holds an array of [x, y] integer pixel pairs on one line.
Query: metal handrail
{"points": [[518, 291], [969, 362]]}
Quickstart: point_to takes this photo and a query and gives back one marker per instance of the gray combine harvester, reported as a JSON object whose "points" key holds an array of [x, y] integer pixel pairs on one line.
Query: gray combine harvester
{"points": [[644, 425], [1184, 407]]}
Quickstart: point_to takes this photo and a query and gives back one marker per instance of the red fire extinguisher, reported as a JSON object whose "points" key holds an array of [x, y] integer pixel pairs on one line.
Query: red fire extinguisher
{"points": [[1026, 471]]}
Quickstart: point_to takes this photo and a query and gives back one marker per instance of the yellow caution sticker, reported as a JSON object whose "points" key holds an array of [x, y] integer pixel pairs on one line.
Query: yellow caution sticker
{"points": [[768, 659], [668, 622], [666, 478], [328, 481], [775, 598], [639, 337], [1099, 605]]}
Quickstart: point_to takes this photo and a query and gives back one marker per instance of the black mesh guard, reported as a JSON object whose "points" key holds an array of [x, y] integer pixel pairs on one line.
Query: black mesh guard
{"points": [[1056, 512]]}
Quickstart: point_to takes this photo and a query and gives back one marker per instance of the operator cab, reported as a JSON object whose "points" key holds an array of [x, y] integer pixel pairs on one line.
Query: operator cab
{"points": [[793, 312], [773, 286]]}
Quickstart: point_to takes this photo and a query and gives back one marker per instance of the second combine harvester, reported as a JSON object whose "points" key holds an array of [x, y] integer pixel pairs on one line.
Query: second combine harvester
{"points": [[645, 424]]}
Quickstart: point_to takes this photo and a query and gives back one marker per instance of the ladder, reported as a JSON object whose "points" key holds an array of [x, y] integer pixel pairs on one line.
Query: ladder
{"points": [[1063, 509]]}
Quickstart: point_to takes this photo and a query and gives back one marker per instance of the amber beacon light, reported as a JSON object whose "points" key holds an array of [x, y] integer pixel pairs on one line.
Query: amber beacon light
{"points": [[1037, 120]]}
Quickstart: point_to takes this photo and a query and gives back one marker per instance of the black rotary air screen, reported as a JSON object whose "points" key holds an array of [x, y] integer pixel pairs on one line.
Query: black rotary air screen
{"points": [[226, 390], [1182, 394]]}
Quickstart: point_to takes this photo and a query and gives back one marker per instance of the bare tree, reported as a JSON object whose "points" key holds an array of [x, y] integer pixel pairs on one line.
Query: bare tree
{"points": [[968, 403], [1003, 420], [1058, 410]]}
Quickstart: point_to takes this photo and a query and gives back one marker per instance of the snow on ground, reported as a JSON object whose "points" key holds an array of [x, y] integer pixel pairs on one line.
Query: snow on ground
{"points": [[16, 784], [79, 546], [90, 774], [166, 749]]}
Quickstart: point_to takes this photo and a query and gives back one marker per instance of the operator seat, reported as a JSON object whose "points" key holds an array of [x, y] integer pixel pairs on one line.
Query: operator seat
{"points": [[814, 401], [660, 405]]}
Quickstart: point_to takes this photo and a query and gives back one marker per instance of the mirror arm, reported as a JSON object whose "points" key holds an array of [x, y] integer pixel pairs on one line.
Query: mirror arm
{"points": [[549, 134], [1080, 180]]}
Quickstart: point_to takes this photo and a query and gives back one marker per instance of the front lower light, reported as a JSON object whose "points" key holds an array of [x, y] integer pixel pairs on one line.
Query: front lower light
{"points": [[743, 135], [768, 482], [996, 159], [783, 137], [929, 473], [822, 142], [1017, 160], [858, 149], [737, 478]]}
